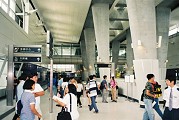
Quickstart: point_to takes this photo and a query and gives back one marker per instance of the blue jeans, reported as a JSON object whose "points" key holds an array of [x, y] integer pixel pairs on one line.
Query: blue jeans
{"points": [[149, 113], [157, 109], [93, 104]]}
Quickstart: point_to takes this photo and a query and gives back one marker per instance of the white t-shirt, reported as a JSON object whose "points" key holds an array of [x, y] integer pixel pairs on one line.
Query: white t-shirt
{"points": [[74, 112], [64, 85], [20, 89], [80, 87], [38, 88]]}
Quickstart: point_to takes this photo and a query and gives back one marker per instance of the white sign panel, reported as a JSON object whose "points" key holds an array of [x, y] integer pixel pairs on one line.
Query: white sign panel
{"points": [[131, 78], [127, 78]]}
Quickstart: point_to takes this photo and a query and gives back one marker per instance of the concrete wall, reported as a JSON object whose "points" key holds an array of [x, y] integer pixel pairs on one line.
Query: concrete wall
{"points": [[10, 33], [173, 53]]}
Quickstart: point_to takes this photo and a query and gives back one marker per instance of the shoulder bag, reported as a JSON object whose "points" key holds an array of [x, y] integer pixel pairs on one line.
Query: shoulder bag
{"points": [[64, 114]]}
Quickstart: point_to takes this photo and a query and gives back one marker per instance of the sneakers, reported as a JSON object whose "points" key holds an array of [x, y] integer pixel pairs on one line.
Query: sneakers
{"points": [[96, 112], [89, 108], [80, 106], [114, 100], [105, 102]]}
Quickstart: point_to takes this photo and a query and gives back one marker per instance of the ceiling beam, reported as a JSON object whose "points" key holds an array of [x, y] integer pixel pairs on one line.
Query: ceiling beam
{"points": [[172, 4], [112, 35], [115, 28], [121, 5], [121, 36], [118, 19]]}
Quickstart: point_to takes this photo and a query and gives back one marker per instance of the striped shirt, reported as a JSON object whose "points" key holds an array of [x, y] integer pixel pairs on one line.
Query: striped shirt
{"points": [[92, 86]]}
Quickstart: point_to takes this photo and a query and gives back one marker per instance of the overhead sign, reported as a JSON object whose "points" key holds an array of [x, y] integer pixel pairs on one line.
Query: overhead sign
{"points": [[103, 65], [27, 50], [36, 49], [27, 53], [27, 59]]}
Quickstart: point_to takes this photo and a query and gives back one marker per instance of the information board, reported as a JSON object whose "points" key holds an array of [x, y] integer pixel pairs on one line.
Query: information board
{"points": [[27, 53], [27, 50], [27, 59]]}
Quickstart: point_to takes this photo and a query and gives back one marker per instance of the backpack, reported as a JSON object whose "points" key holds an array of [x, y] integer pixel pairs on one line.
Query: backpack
{"points": [[102, 85], [157, 90]]}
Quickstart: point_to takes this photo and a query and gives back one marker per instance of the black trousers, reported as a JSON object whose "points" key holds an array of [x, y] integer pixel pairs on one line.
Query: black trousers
{"points": [[78, 98], [171, 115], [15, 116]]}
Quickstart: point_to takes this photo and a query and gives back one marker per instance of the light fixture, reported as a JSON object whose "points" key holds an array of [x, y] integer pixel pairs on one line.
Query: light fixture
{"points": [[159, 42], [139, 43], [90, 67], [166, 61], [84, 68], [131, 45]]}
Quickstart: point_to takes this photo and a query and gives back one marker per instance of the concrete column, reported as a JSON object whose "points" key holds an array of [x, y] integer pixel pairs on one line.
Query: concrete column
{"points": [[90, 49], [163, 19], [100, 13], [84, 59], [142, 20], [115, 52], [129, 54]]}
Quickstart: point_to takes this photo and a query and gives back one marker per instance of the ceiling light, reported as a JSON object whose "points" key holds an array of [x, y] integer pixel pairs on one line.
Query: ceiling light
{"points": [[139, 43]]}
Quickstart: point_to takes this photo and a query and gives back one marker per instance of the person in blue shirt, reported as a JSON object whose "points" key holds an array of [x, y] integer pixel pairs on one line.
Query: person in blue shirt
{"points": [[28, 111]]}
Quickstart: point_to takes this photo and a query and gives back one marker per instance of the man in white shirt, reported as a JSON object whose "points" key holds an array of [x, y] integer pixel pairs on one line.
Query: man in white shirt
{"points": [[171, 96], [60, 89], [38, 91]]}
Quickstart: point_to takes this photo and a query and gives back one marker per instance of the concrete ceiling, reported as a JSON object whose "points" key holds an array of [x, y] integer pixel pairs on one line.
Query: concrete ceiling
{"points": [[64, 18]]}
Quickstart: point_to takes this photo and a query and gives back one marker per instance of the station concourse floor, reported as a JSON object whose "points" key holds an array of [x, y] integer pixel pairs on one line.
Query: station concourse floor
{"points": [[122, 110]]}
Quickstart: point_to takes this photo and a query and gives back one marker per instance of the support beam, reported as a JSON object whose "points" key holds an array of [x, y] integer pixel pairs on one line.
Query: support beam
{"points": [[115, 28], [172, 4], [10, 77], [3, 65], [118, 19], [121, 5], [112, 35], [121, 37], [19, 70]]}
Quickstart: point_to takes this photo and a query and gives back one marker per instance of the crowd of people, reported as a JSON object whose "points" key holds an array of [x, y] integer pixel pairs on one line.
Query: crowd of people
{"points": [[28, 92], [71, 89]]}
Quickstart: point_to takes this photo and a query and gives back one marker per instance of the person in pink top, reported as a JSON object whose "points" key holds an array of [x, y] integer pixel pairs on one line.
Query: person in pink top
{"points": [[113, 84]]}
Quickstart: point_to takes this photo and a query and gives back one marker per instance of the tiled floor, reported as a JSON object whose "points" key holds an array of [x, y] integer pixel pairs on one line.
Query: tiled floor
{"points": [[122, 110]]}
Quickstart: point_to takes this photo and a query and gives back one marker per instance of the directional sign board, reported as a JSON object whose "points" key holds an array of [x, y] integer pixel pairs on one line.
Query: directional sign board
{"points": [[27, 59], [27, 50], [36, 49], [27, 53]]}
